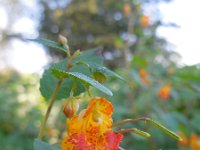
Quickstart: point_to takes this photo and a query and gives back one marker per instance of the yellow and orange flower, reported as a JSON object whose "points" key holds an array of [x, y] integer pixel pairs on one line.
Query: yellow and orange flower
{"points": [[165, 91], [92, 128], [193, 142]]}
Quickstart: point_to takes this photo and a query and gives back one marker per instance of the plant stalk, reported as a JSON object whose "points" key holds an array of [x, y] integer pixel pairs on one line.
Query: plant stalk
{"points": [[63, 41], [128, 121], [52, 99]]}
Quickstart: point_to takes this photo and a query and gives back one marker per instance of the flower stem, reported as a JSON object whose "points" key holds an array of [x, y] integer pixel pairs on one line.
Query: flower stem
{"points": [[128, 121], [135, 130], [52, 99], [63, 41]]}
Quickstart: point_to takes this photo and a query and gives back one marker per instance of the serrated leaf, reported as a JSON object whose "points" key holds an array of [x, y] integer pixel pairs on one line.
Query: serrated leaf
{"points": [[164, 129], [48, 81], [95, 63], [50, 43], [81, 77], [40, 145]]}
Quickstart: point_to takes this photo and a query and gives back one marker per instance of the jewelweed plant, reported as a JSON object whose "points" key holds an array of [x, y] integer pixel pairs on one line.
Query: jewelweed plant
{"points": [[93, 127]]}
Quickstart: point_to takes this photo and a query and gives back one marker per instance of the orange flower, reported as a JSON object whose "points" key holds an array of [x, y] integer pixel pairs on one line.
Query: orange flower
{"points": [[144, 76], [144, 21], [165, 91], [194, 142], [91, 129]]}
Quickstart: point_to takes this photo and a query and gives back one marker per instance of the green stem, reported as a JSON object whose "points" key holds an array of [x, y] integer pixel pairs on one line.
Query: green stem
{"points": [[52, 99], [57, 88], [128, 121]]}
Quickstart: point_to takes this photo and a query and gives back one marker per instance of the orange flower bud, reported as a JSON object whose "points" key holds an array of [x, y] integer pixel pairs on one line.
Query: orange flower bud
{"points": [[165, 91], [70, 107], [144, 75], [127, 9], [144, 21]]}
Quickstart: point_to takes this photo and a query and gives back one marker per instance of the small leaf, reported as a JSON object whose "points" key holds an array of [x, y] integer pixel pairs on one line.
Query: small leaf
{"points": [[40, 145], [95, 63], [83, 78], [164, 129], [48, 83], [141, 133], [89, 57], [99, 68], [50, 43]]}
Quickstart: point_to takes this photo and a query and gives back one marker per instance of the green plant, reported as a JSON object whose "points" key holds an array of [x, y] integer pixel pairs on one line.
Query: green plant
{"points": [[68, 79]]}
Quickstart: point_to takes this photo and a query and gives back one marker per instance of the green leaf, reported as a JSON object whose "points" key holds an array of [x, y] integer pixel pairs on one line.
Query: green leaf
{"points": [[95, 63], [100, 68], [40, 145], [189, 73], [139, 61], [195, 121], [164, 129], [81, 77], [89, 57], [50, 43], [48, 81]]}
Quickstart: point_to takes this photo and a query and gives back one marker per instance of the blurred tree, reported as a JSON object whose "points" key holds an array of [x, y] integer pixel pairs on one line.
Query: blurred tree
{"points": [[20, 110], [16, 14], [157, 85], [104, 24]]}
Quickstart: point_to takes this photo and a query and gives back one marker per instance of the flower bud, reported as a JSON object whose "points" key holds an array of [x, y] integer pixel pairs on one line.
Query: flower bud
{"points": [[76, 53], [127, 9], [70, 107], [62, 40]]}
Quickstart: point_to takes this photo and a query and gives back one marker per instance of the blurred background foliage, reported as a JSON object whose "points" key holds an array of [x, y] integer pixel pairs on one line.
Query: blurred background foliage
{"points": [[157, 85]]}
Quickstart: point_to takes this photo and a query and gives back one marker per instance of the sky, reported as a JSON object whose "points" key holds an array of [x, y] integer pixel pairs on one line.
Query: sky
{"points": [[31, 58], [185, 13]]}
